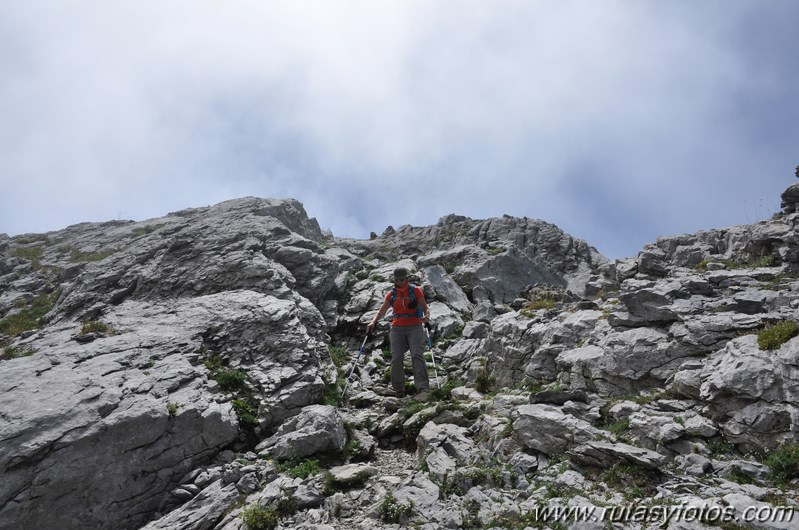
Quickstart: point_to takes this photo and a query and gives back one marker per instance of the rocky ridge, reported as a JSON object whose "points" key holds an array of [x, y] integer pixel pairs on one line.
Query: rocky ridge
{"points": [[183, 372]]}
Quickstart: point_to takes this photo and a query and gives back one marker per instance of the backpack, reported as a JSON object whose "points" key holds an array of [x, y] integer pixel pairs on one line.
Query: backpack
{"points": [[412, 293]]}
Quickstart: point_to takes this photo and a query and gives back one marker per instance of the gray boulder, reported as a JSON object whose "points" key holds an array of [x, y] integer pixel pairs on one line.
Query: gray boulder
{"points": [[544, 428], [753, 393], [317, 429]]}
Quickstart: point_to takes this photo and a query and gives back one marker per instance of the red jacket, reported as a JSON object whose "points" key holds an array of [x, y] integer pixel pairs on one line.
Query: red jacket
{"points": [[400, 306]]}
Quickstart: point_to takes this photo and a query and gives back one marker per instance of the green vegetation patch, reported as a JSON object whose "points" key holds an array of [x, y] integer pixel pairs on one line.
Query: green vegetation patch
{"points": [[484, 382], [32, 254], [634, 482], [777, 334], [338, 354], [394, 512], [144, 230], [297, 468], [445, 392], [257, 517], [246, 412], [231, 380], [754, 263], [31, 238], [530, 309], [77, 256], [31, 316], [96, 326], [784, 463], [12, 352]]}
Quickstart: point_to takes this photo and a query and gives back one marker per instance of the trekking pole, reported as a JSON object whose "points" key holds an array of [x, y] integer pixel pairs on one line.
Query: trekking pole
{"points": [[430, 343], [354, 364]]}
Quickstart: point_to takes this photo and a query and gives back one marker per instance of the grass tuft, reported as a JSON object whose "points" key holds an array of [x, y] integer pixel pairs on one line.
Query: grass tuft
{"points": [[777, 334]]}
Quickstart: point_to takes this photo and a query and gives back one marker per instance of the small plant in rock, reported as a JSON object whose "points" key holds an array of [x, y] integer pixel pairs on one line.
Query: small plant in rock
{"points": [[507, 431], [246, 413], [777, 334], [736, 475], [445, 392], [765, 261], [634, 482], [296, 468], [333, 485], [213, 363], [172, 409], [784, 463], [331, 396], [96, 326], [257, 517], [484, 382], [493, 251], [30, 316], [32, 254], [394, 512], [31, 238], [12, 352], [620, 427], [77, 256], [230, 380], [338, 354], [144, 230], [721, 446], [353, 449]]}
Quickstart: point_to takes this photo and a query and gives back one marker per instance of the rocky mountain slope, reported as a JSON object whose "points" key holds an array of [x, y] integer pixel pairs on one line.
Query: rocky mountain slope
{"points": [[185, 372]]}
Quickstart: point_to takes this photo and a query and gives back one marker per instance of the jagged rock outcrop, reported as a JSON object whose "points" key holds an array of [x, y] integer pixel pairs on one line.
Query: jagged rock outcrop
{"points": [[170, 374]]}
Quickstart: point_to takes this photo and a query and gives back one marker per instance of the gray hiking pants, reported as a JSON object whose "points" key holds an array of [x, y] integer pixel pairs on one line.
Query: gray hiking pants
{"points": [[402, 338]]}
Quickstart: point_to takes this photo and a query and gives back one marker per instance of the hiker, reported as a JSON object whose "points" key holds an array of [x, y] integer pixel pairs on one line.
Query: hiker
{"points": [[410, 313]]}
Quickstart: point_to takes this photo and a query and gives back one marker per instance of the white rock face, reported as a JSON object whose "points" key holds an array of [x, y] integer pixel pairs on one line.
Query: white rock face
{"points": [[226, 321]]}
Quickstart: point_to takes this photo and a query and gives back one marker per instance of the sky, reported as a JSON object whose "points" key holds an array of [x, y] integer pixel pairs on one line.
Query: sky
{"points": [[619, 121]]}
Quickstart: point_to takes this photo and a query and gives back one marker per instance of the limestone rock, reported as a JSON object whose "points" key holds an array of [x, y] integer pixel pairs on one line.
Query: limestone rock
{"points": [[546, 429], [317, 429]]}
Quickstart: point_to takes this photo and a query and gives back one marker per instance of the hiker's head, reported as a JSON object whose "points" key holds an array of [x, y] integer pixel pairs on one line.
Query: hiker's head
{"points": [[400, 275]]}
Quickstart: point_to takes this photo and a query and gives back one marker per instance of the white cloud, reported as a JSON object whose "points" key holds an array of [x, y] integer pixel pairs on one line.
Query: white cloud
{"points": [[586, 114]]}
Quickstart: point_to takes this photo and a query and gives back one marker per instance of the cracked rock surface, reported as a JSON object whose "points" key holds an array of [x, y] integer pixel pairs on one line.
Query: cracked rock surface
{"points": [[185, 372]]}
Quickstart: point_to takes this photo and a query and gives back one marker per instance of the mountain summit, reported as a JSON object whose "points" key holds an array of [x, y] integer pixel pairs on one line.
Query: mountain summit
{"points": [[185, 372]]}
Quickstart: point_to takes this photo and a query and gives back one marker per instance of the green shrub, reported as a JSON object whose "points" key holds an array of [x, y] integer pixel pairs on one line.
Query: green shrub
{"points": [[95, 326], [77, 256], [230, 380], [736, 475], [299, 468], [213, 363], [258, 517], [144, 230], [394, 512], [331, 396], [484, 382], [172, 409], [32, 254], [633, 481], [445, 392], [777, 334], [30, 316], [31, 238], [784, 463], [246, 413], [11, 352], [619, 427], [338, 354]]}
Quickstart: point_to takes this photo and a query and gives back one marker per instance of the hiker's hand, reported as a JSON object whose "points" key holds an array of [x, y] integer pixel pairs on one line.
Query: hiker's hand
{"points": [[369, 327]]}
